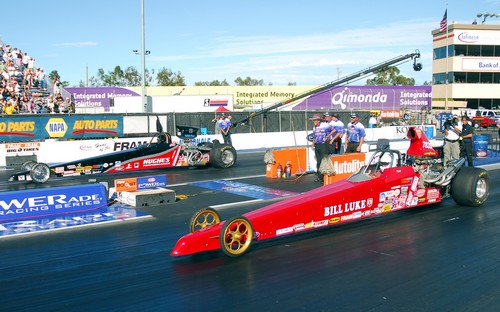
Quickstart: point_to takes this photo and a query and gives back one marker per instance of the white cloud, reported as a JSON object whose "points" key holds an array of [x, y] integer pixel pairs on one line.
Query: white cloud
{"points": [[77, 44]]}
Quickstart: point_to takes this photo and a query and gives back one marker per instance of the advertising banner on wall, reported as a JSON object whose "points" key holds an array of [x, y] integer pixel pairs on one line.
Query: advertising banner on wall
{"points": [[369, 98], [97, 96], [51, 201], [16, 129]]}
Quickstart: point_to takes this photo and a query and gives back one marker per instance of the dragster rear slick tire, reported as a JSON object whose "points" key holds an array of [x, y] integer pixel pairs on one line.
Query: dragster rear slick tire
{"points": [[27, 165], [470, 186], [40, 173], [223, 156]]}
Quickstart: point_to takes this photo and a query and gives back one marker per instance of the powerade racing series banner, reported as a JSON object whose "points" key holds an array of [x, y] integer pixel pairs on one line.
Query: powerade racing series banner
{"points": [[35, 203], [15, 129]]}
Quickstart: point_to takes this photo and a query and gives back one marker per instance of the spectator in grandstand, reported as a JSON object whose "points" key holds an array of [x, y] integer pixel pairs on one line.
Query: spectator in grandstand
{"points": [[5, 75], [18, 58], [50, 104], [15, 87], [41, 108], [3, 66], [8, 108], [5, 94], [31, 64], [66, 106], [28, 80], [41, 78], [56, 85], [11, 68], [26, 60], [28, 107]]}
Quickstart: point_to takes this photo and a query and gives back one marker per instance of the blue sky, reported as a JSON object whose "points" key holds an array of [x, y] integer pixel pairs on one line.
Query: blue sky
{"points": [[307, 42]]}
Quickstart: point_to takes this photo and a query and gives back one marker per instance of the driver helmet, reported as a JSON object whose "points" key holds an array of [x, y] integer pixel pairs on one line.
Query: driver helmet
{"points": [[385, 161]]}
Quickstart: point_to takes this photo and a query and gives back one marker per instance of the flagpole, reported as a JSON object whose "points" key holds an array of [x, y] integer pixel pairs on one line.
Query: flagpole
{"points": [[446, 94]]}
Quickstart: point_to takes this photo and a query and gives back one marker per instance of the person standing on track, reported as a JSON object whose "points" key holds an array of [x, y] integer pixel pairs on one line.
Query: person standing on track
{"points": [[466, 135], [338, 125], [451, 148], [321, 130], [225, 128], [355, 135]]}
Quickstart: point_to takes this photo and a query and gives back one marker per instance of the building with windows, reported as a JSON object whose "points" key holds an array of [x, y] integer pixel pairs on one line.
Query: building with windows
{"points": [[466, 67]]}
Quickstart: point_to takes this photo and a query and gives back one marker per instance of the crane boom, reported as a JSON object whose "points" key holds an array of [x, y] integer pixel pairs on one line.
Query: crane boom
{"points": [[367, 71]]}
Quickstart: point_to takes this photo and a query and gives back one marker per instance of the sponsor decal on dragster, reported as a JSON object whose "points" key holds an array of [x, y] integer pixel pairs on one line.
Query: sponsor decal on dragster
{"points": [[302, 227], [243, 189], [339, 213], [353, 206], [160, 160], [49, 201]]}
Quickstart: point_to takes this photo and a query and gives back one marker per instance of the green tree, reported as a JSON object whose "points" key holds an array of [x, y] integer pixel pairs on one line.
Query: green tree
{"points": [[248, 82], [390, 76], [112, 78], [132, 77], [213, 83], [166, 77]]}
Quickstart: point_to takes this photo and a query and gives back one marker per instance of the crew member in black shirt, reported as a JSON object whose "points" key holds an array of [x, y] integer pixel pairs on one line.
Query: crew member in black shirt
{"points": [[467, 147]]}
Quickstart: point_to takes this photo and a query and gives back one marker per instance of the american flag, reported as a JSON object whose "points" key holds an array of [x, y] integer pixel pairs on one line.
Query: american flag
{"points": [[444, 22]]}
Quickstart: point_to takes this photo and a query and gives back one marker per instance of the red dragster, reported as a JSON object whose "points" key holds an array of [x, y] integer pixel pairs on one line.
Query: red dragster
{"points": [[391, 181]]}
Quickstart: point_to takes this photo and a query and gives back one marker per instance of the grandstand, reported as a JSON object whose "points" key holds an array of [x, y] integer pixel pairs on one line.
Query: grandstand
{"points": [[26, 88]]}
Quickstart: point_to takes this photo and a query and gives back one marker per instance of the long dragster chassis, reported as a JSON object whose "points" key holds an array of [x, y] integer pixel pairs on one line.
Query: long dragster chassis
{"points": [[390, 182], [159, 153]]}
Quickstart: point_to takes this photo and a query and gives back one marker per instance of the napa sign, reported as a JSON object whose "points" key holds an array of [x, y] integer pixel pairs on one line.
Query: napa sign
{"points": [[15, 129]]}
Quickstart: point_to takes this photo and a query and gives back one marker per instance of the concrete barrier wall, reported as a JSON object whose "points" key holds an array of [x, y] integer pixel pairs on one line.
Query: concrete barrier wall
{"points": [[54, 151]]}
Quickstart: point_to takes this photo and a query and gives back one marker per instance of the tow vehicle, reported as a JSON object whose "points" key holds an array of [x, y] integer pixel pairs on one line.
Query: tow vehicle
{"points": [[391, 181], [160, 152]]}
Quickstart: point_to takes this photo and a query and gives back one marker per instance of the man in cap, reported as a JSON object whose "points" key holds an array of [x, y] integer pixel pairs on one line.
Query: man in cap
{"points": [[321, 130], [335, 140], [329, 140], [225, 128], [355, 135], [466, 134]]}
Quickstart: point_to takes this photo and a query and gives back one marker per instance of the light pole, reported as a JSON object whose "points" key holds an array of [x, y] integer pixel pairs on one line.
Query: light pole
{"points": [[143, 62]]}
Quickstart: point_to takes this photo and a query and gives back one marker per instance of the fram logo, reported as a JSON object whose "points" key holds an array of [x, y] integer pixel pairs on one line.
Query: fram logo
{"points": [[468, 38]]}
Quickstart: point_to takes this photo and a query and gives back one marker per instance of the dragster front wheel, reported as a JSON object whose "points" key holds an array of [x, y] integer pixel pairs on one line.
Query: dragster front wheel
{"points": [[203, 218], [236, 236]]}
